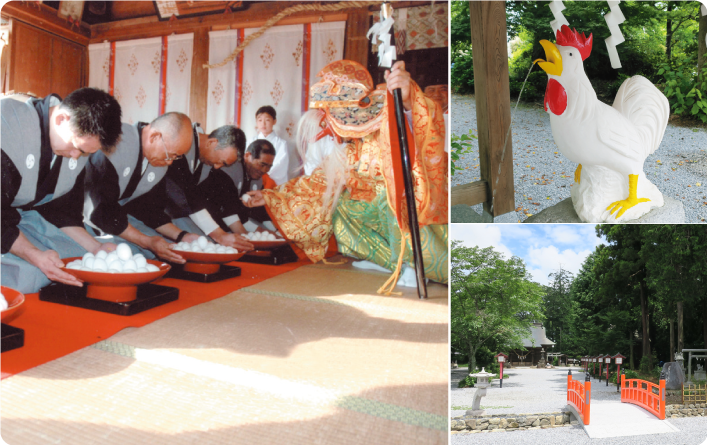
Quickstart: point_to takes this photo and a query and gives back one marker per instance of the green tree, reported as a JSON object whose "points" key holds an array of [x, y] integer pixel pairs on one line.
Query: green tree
{"points": [[622, 271], [461, 22], [677, 271], [559, 309], [492, 299]]}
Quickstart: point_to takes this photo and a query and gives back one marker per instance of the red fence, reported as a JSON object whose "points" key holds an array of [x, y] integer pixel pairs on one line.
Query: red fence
{"points": [[643, 394], [579, 396]]}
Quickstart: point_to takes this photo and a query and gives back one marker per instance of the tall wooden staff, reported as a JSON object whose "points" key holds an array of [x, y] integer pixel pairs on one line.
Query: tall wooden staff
{"points": [[386, 54]]}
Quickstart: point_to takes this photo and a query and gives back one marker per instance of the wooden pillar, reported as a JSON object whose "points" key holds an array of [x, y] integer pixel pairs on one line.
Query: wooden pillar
{"points": [[356, 47], [493, 102], [199, 78]]}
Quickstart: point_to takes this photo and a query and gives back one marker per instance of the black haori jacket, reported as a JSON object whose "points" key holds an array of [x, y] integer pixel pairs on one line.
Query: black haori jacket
{"points": [[116, 187], [29, 180]]}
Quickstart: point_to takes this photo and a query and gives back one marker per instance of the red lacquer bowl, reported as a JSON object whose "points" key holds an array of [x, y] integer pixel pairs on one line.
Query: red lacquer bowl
{"points": [[206, 263], [14, 302], [115, 286]]}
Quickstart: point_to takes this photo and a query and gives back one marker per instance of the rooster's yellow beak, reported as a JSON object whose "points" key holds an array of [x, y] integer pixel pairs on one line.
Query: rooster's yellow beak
{"points": [[554, 59]]}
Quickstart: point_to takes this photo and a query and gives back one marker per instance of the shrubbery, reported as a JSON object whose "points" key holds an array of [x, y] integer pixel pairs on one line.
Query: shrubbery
{"points": [[460, 145], [462, 68], [687, 93]]}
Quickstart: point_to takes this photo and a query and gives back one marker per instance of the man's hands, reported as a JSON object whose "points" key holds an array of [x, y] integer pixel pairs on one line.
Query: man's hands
{"points": [[190, 237], [160, 247], [50, 264], [231, 240], [397, 77], [256, 199]]}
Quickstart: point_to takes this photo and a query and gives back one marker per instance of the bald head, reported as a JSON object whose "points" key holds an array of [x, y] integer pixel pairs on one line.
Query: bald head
{"points": [[172, 125], [166, 138]]}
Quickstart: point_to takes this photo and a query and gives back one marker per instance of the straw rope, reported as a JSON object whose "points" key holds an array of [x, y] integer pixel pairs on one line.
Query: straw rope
{"points": [[387, 288], [289, 11]]}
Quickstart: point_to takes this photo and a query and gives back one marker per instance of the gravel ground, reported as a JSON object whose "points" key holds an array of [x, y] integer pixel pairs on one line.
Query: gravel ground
{"points": [[693, 431], [543, 176], [526, 390], [544, 390]]}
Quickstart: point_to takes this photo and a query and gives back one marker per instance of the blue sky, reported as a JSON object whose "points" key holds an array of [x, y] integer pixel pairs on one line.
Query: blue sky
{"points": [[543, 247]]}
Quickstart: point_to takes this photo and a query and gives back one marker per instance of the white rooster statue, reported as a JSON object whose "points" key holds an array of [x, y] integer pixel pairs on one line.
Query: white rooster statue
{"points": [[610, 144]]}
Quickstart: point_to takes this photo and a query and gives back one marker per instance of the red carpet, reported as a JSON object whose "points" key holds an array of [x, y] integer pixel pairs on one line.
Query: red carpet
{"points": [[54, 330]]}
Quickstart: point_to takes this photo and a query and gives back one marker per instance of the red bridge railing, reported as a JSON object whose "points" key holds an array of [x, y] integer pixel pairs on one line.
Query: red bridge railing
{"points": [[644, 394], [579, 396]]}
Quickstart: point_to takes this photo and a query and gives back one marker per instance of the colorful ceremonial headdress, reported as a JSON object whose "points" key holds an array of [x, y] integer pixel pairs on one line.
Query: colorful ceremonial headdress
{"points": [[347, 96]]}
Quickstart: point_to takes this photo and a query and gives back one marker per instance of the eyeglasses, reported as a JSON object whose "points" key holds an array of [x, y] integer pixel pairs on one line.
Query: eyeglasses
{"points": [[168, 157]]}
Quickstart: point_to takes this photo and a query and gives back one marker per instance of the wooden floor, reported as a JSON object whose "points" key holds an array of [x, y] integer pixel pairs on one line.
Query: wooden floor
{"points": [[312, 356]]}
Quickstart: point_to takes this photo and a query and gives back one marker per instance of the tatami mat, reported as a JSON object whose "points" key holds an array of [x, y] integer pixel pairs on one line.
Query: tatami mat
{"points": [[312, 356]]}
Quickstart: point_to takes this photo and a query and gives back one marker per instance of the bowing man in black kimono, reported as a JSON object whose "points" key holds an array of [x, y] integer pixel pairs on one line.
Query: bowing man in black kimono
{"points": [[234, 182], [191, 180], [126, 191], [45, 147]]}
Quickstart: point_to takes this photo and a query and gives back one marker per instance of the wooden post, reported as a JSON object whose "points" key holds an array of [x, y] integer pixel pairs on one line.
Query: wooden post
{"points": [[356, 46], [493, 103], [199, 78], [701, 44]]}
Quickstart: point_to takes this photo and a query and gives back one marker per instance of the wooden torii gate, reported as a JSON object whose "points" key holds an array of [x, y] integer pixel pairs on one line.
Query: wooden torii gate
{"points": [[493, 112]]}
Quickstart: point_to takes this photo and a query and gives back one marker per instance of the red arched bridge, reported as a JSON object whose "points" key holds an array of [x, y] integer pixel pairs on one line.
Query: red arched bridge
{"points": [[640, 411]]}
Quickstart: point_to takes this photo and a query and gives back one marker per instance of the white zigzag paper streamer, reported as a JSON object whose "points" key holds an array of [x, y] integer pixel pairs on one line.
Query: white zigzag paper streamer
{"points": [[381, 31], [557, 7], [613, 20]]}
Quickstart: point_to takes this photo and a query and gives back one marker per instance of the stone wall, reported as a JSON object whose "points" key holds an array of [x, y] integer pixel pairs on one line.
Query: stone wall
{"points": [[498, 423], [511, 422], [691, 410]]}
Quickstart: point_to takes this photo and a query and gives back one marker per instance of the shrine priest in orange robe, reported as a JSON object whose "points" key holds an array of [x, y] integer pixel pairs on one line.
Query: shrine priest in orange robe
{"points": [[351, 194]]}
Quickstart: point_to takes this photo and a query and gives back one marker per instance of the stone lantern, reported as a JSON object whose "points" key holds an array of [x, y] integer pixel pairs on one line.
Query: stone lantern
{"points": [[679, 358], [482, 382], [541, 362]]}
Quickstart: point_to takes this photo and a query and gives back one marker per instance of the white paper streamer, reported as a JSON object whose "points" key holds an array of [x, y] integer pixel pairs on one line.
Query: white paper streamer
{"points": [[613, 20], [381, 31], [557, 7]]}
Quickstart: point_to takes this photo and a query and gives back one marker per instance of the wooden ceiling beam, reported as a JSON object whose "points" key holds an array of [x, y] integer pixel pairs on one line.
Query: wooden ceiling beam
{"points": [[254, 17], [46, 18]]}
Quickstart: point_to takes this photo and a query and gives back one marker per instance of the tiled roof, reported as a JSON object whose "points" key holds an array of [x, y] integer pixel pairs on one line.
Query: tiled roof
{"points": [[537, 333]]}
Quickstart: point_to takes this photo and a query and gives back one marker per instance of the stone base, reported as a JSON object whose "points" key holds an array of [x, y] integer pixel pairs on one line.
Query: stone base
{"points": [[672, 212], [475, 412], [466, 214]]}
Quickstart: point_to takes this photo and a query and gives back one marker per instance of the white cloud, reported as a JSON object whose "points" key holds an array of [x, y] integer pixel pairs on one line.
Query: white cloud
{"points": [[482, 235], [566, 235], [545, 260]]}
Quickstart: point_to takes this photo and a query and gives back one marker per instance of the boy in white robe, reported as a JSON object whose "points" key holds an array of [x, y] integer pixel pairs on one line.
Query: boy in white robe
{"points": [[266, 118]]}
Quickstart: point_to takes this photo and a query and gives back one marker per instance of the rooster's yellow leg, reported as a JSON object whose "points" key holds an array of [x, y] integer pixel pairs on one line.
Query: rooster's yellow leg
{"points": [[629, 202], [578, 173]]}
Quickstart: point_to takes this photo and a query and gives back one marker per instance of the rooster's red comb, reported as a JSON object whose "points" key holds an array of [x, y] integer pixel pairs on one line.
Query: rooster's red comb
{"points": [[567, 37]]}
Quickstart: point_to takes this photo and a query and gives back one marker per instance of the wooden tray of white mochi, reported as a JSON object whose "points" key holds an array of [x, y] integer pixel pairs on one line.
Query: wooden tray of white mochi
{"points": [[121, 260], [264, 240], [204, 251]]}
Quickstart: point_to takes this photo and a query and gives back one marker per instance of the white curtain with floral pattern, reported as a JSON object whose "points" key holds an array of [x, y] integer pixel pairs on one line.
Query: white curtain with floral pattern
{"points": [[141, 73], [271, 73], [137, 78], [180, 49]]}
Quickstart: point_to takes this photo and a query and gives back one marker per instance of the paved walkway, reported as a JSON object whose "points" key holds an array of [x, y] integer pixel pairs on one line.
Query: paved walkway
{"points": [[616, 419], [526, 390], [530, 390]]}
